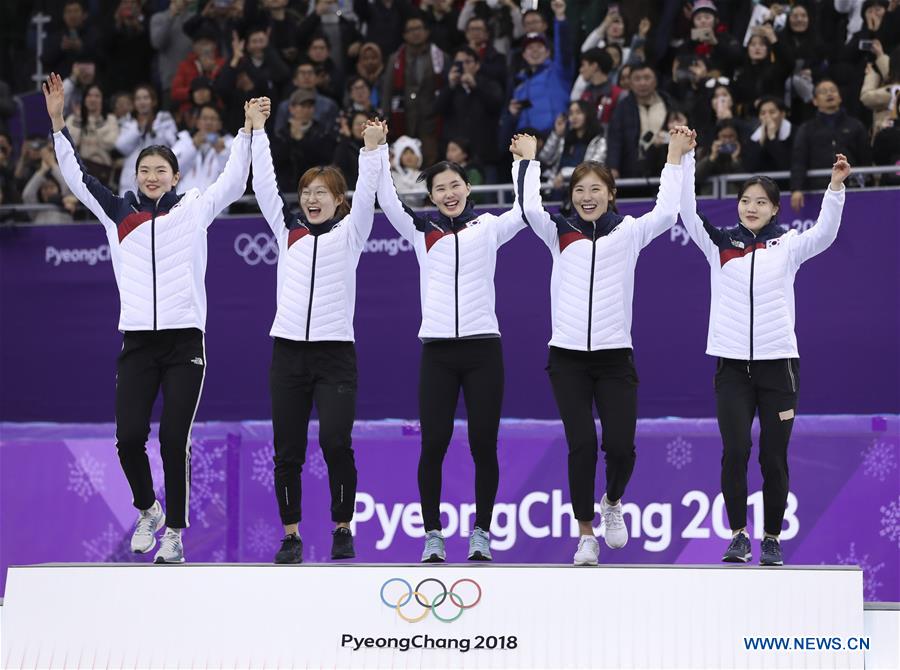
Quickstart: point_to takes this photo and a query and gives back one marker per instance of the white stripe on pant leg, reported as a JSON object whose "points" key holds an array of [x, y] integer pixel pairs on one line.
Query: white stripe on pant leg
{"points": [[187, 450]]}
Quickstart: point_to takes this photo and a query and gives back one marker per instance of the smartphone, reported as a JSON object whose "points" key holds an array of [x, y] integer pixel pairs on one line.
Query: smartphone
{"points": [[698, 34], [728, 148], [524, 104], [458, 64], [865, 45]]}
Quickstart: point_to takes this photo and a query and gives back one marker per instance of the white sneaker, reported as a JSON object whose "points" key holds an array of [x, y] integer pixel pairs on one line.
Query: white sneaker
{"points": [[148, 524], [616, 534], [588, 551], [171, 549]]}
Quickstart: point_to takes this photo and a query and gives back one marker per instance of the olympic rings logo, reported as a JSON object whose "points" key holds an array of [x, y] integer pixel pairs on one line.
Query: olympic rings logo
{"points": [[429, 606], [256, 249]]}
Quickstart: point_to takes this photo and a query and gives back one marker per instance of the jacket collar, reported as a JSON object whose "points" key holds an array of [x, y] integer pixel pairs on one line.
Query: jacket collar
{"points": [[315, 229], [455, 223], [144, 203], [595, 229], [767, 232]]}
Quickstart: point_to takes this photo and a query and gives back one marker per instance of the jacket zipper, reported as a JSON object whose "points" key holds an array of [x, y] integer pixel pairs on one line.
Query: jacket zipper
{"points": [[456, 277], [752, 265], [312, 285], [153, 258], [591, 287]]}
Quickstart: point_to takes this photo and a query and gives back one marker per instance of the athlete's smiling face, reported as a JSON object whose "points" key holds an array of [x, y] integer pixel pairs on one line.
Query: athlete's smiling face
{"points": [[755, 209], [317, 202], [591, 197], [155, 177], [449, 192]]}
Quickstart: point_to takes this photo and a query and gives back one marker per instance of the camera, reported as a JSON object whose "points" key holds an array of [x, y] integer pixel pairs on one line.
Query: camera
{"points": [[727, 148]]}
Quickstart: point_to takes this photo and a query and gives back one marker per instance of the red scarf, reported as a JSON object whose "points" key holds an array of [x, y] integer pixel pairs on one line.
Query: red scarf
{"points": [[396, 111]]}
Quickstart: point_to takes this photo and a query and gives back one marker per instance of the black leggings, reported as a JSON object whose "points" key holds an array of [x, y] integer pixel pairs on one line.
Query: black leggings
{"points": [[304, 373], [607, 379], [476, 367], [175, 361], [742, 389]]}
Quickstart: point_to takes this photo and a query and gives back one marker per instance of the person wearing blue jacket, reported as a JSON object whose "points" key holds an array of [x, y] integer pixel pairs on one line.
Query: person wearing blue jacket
{"points": [[540, 91]]}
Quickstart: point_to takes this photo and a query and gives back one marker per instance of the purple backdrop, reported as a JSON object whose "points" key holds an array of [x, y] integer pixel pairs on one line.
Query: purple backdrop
{"points": [[60, 309], [844, 505]]}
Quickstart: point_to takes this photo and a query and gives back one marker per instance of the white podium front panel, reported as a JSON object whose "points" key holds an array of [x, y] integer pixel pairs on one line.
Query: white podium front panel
{"points": [[450, 616]]}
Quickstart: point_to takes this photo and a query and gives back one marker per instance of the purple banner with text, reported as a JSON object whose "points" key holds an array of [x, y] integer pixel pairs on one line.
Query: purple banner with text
{"points": [[60, 309]]}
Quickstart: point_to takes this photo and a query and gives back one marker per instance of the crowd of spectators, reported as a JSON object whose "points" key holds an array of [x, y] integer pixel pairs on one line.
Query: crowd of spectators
{"points": [[769, 86]]}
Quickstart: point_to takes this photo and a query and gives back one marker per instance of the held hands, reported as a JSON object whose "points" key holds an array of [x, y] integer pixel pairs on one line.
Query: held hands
{"points": [[256, 111], [839, 172], [681, 140], [523, 147], [374, 133], [55, 99]]}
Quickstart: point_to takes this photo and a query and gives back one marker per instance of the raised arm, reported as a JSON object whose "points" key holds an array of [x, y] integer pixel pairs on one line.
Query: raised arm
{"points": [[402, 218], [701, 232], [665, 211], [232, 182], [362, 209], [527, 184], [102, 202], [818, 238], [265, 185]]}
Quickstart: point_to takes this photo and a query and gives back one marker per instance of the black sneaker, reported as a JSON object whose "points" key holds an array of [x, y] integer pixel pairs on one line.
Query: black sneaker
{"points": [[739, 549], [291, 550], [770, 552], [342, 544]]}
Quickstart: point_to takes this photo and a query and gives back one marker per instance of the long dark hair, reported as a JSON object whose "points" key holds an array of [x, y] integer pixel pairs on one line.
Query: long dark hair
{"points": [[591, 126], [84, 111]]}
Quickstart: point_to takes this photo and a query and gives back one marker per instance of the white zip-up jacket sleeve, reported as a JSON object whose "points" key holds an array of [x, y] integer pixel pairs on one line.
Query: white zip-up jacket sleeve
{"points": [[506, 225], [265, 186], [88, 189], [231, 184], [688, 210], [665, 212], [528, 192], [362, 209], [821, 236], [391, 204]]}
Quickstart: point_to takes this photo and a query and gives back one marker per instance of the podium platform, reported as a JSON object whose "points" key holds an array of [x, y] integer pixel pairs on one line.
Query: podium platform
{"points": [[453, 616]]}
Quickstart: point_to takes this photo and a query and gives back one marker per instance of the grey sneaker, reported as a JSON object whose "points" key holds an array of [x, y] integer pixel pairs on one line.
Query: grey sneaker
{"points": [[480, 545], [171, 549], [148, 524], [738, 549], [616, 535], [434, 547]]}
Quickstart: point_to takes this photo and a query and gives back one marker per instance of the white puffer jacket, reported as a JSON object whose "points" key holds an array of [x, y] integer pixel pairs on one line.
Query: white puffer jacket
{"points": [[592, 282], [751, 311], [158, 248], [316, 263], [456, 258]]}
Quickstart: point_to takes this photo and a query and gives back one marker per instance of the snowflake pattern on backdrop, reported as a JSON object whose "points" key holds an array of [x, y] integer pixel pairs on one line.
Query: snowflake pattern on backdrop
{"points": [[218, 556], [870, 571], [111, 545], [207, 481], [261, 466], [890, 521], [679, 453], [86, 476], [262, 539], [879, 459], [316, 464]]}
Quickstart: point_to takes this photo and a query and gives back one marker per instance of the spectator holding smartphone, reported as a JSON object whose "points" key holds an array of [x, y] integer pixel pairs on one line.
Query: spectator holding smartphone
{"points": [[710, 40], [771, 143], [881, 85], [725, 154]]}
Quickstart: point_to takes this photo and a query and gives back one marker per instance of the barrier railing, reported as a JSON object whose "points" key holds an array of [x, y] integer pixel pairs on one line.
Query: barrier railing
{"points": [[503, 193]]}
